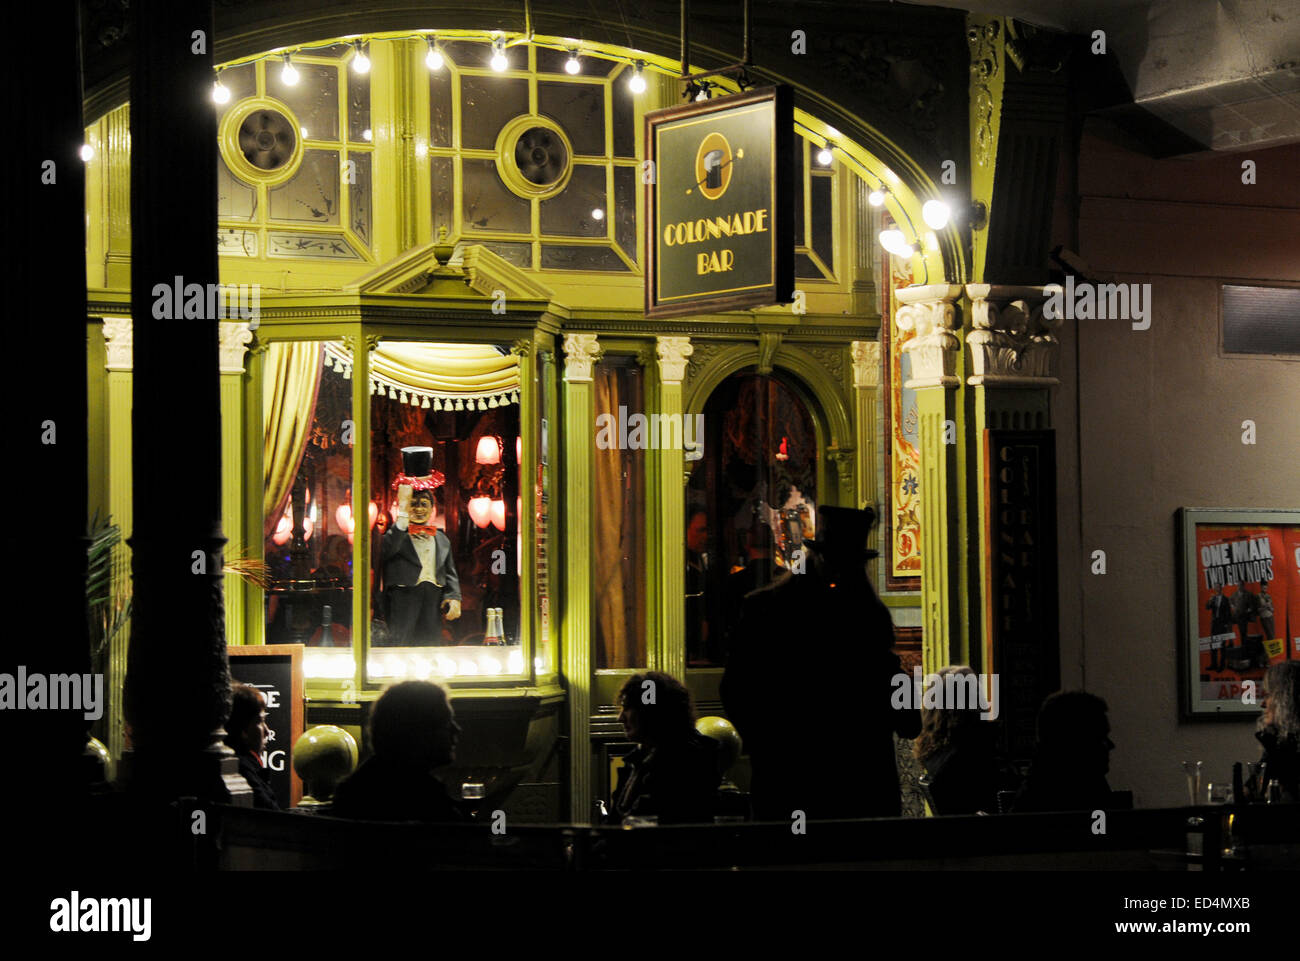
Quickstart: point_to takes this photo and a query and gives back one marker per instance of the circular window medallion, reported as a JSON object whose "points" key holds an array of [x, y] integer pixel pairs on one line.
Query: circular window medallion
{"points": [[260, 141], [267, 139], [534, 156]]}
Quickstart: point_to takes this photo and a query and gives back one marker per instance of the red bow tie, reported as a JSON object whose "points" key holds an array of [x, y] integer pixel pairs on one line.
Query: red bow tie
{"points": [[421, 530]]}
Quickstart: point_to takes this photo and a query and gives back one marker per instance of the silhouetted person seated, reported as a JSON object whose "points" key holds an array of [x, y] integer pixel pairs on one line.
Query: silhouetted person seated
{"points": [[1278, 732], [1072, 756], [412, 731], [809, 683], [956, 749], [674, 772], [246, 734]]}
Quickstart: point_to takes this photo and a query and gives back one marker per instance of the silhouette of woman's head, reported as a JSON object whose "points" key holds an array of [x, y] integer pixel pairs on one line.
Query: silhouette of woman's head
{"points": [[1282, 701], [656, 707], [944, 727]]}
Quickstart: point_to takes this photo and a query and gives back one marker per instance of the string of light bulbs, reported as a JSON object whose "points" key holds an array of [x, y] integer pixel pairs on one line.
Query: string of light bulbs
{"points": [[435, 60]]}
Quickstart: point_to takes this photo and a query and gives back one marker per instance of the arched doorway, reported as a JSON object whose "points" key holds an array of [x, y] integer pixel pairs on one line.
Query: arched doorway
{"points": [[750, 502]]}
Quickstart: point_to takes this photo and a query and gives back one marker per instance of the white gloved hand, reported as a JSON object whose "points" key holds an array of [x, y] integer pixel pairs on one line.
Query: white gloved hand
{"points": [[452, 608]]}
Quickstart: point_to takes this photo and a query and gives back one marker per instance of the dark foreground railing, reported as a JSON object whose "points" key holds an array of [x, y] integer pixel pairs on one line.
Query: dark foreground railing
{"points": [[1177, 839]]}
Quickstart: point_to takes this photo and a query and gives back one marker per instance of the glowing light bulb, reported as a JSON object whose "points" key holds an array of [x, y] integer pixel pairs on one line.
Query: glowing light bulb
{"points": [[499, 63], [433, 59], [935, 213], [637, 83], [288, 75], [894, 241], [824, 156], [572, 66], [87, 152], [219, 93], [367, 135], [303, 131], [598, 214], [360, 63], [877, 196]]}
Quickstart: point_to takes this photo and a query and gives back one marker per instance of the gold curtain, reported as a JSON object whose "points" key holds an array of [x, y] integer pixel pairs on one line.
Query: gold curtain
{"points": [[442, 370], [293, 373], [618, 535]]}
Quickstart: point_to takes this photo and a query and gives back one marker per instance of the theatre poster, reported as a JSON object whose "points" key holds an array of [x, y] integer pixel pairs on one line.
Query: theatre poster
{"points": [[1240, 605]]}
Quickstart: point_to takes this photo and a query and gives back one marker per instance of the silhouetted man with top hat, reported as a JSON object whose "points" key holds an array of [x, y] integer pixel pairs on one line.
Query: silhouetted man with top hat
{"points": [[420, 580], [809, 683]]}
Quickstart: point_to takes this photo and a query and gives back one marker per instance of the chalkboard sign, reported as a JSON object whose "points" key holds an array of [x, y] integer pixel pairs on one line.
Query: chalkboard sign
{"points": [[276, 671]]}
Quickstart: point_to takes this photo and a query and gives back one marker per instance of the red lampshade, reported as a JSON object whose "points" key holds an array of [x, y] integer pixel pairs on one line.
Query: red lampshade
{"points": [[343, 514], [519, 450], [489, 450], [283, 530], [480, 509], [499, 515], [374, 512]]}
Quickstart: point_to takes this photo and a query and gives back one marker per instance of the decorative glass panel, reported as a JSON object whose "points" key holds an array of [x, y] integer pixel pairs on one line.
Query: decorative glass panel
{"points": [[235, 199], [521, 255], [358, 106], [822, 216], [557, 257], [284, 243], [618, 524], [312, 194], [579, 108], [486, 103], [799, 146], [445, 555], [440, 118], [237, 243], [442, 170], [569, 213], [806, 269], [309, 529], [314, 99], [624, 118], [488, 204], [359, 196], [625, 186]]}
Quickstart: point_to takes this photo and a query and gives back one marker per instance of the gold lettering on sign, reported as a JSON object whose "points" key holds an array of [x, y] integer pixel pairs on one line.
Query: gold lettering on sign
{"points": [[714, 228]]}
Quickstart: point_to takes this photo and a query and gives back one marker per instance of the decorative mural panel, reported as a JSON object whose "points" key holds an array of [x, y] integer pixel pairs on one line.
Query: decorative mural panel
{"points": [[903, 452]]}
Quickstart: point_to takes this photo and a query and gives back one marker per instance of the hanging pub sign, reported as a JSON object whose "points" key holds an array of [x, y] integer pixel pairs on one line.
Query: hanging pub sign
{"points": [[720, 206]]}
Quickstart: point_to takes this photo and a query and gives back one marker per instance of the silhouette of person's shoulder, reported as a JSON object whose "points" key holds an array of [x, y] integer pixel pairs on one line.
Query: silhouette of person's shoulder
{"points": [[381, 790]]}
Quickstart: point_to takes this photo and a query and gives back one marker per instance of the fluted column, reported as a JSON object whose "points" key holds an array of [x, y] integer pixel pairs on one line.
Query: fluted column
{"points": [[865, 356], [580, 352], [932, 312], [117, 344], [672, 353], [235, 338]]}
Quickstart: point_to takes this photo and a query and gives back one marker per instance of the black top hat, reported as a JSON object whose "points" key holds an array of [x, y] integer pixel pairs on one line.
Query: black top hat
{"points": [[417, 469], [842, 533]]}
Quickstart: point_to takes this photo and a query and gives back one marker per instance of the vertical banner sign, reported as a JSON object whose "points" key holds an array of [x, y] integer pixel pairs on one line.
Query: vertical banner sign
{"points": [[720, 204], [1020, 607], [276, 671]]}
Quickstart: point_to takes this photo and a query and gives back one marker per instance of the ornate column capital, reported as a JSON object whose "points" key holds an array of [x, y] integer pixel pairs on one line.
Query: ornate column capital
{"points": [[1012, 343], [931, 311], [234, 338], [118, 343], [673, 352], [866, 363], [580, 352], [844, 459]]}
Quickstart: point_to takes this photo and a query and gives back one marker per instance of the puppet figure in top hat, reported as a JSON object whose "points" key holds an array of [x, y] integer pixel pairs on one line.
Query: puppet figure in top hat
{"points": [[419, 572]]}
